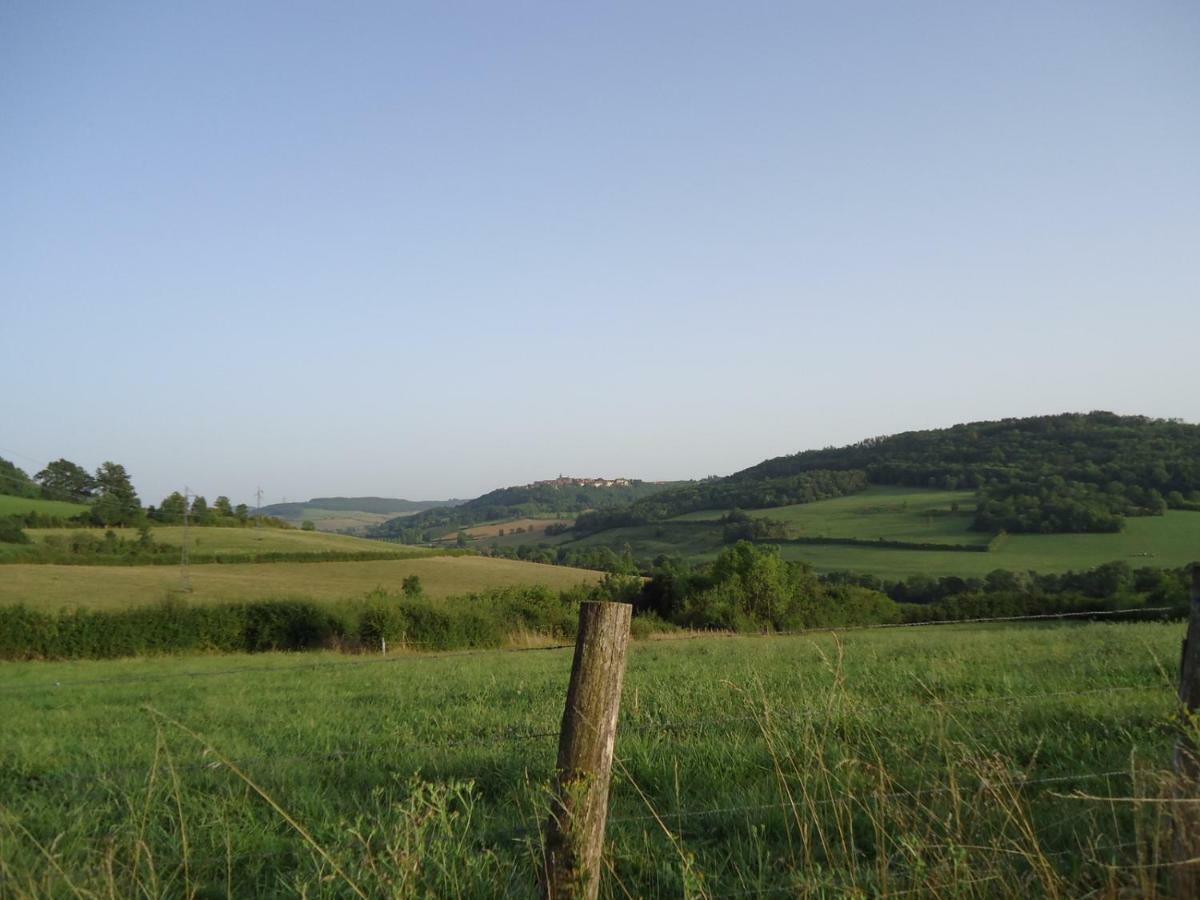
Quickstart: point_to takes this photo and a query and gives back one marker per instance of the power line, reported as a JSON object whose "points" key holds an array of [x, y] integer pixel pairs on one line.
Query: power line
{"points": [[185, 582]]}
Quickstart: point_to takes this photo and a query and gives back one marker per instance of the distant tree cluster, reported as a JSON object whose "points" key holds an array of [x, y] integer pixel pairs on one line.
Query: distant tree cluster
{"points": [[1114, 585], [749, 587], [108, 492], [740, 526], [1069, 472], [222, 513]]}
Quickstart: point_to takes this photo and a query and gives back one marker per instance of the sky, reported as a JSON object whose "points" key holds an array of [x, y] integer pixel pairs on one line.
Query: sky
{"points": [[423, 250]]}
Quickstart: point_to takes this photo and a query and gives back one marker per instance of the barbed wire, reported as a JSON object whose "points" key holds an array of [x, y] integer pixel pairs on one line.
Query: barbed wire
{"points": [[849, 798]]}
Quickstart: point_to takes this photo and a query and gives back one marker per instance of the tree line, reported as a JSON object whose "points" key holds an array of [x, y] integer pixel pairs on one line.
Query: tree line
{"points": [[111, 500], [1062, 473]]}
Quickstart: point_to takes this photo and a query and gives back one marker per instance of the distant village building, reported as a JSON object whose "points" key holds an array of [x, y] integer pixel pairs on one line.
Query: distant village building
{"points": [[563, 481]]}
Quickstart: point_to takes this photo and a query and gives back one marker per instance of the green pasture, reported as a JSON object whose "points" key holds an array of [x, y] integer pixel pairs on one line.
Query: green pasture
{"points": [[931, 762], [11, 506], [909, 514], [891, 513], [1165, 541], [52, 587]]}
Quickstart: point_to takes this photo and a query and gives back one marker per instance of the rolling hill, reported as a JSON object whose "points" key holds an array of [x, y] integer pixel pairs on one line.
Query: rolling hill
{"points": [[562, 498], [350, 514], [1049, 493]]}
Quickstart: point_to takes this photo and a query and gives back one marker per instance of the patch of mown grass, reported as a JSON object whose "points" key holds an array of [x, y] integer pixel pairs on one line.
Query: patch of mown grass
{"points": [[925, 762]]}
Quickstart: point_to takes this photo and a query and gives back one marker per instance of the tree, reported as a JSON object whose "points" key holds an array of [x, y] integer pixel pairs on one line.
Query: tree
{"points": [[200, 512], [64, 480], [116, 501], [12, 532], [15, 482], [308, 525], [222, 507], [170, 511], [242, 512], [411, 586]]}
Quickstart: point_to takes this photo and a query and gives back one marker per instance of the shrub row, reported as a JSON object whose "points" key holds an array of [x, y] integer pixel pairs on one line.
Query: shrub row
{"points": [[170, 627], [884, 542], [477, 620]]}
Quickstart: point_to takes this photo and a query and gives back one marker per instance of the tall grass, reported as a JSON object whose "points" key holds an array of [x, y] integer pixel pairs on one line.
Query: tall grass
{"points": [[950, 763]]}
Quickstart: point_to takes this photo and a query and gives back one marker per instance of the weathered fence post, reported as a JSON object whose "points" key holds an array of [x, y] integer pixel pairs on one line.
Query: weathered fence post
{"points": [[1187, 756], [575, 830]]}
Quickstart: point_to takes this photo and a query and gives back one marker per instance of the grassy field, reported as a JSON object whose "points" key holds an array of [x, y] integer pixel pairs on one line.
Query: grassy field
{"points": [[937, 762], [248, 540], [897, 514], [14, 505], [1163, 541], [109, 587], [1167, 541], [534, 529], [341, 519]]}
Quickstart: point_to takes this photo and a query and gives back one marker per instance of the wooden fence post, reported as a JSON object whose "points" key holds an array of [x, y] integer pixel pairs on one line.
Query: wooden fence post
{"points": [[575, 829], [1187, 756]]}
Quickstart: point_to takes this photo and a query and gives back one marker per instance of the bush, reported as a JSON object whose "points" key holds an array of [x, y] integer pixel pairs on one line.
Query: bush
{"points": [[11, 531], [476, 620]]}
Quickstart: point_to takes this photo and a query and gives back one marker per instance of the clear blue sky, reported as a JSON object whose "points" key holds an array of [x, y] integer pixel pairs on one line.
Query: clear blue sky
{"points": [[424, 250]]}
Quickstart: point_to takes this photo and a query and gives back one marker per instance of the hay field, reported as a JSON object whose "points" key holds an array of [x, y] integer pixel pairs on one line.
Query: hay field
{"points": [[113, 587]]}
